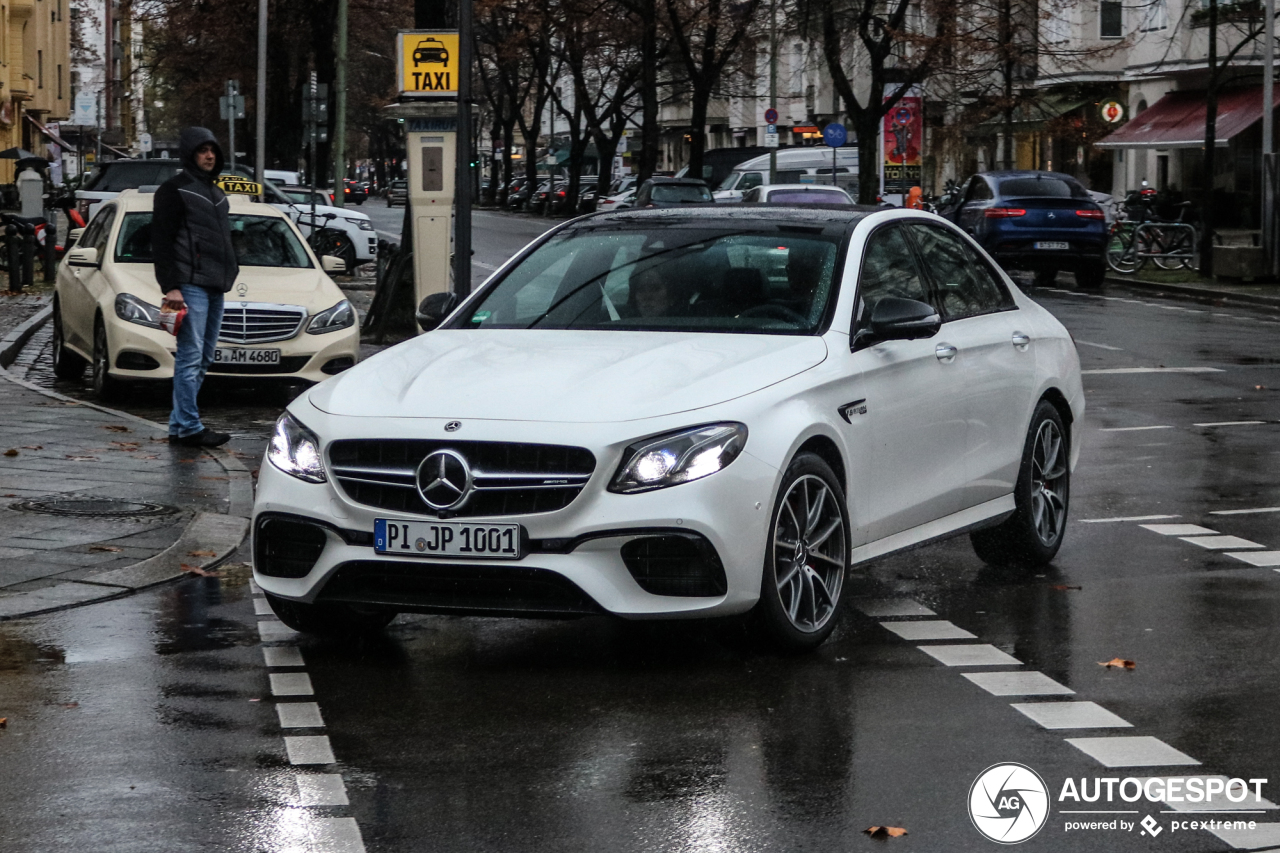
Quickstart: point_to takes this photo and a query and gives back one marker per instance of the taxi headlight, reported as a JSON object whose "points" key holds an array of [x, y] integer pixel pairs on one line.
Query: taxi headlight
{"points": [[678, 457], [295, 450], [132, 309], [340, 316]]}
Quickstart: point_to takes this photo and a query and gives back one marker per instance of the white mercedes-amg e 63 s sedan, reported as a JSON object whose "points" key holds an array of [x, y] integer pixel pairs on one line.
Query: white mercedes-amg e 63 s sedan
{"points": [[686, 412]]}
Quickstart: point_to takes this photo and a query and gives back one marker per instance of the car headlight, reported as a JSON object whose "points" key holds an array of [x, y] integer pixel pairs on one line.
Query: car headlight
{"points": [[340, 316], [134, 310], [295, 450], [362, 224], [678, 457]]}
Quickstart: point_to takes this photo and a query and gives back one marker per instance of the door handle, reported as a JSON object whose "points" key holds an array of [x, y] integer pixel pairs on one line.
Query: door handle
{"points": [[1021, 341], [946, 353]]}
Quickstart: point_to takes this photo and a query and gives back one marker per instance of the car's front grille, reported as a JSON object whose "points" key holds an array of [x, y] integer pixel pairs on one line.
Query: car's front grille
{"points": [[260, 322], [508, 478]]}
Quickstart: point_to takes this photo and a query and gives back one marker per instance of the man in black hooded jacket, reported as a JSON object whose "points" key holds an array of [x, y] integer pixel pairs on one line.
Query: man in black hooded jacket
{"points": [[195, 265]]}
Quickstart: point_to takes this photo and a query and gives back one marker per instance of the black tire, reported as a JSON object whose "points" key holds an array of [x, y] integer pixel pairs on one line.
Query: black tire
{"points": [[105, 387], [1031, 537], [66, 364], [330, 619], [1091, 277], [801, 594], [1045, 278]]}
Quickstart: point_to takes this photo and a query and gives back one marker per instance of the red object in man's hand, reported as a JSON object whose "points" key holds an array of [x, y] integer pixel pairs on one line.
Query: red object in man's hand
{"points": [[170, 320]]}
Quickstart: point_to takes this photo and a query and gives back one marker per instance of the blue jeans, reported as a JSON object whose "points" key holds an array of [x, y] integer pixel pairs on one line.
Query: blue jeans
{"points": [[197, 340]]}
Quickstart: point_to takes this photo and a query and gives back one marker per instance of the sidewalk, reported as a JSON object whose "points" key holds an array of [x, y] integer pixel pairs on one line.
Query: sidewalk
{"points": [[1253, 294], [95, 504]]}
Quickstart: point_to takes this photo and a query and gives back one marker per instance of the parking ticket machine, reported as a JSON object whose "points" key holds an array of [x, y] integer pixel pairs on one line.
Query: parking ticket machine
{"points": [[430, 143]]}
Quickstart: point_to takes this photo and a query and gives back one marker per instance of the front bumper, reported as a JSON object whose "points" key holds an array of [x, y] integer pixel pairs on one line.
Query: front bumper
{"points": [[582, 557]]}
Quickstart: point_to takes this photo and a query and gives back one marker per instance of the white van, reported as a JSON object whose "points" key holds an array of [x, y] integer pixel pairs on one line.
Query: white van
{"points": [[283, 176], [795, 166]]}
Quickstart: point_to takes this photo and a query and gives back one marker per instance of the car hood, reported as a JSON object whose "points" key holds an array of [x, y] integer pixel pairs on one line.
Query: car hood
{"points": [[564, 376], [309, 288]]}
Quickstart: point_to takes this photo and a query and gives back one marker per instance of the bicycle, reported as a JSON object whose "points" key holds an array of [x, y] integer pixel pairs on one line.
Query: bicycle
{"points": [[1132, 241], [332, 241]]}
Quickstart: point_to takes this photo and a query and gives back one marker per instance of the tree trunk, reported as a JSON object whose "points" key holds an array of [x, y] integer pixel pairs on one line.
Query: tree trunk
{"points": [[698, 131], [866, 124], [649, 92]]}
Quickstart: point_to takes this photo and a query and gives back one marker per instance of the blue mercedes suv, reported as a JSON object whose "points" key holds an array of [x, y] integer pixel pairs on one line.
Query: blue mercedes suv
{"points": [[1037, 221]]}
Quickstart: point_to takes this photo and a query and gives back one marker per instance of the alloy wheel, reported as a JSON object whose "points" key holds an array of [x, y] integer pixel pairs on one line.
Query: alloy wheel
{"points": [[1048, 483], [809, 553]]}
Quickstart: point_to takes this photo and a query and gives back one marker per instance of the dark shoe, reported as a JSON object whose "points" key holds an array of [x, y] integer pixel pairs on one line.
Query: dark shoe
{"points": [[207, 438]]}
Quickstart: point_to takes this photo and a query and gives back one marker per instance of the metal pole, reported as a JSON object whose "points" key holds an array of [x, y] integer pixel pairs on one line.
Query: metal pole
{"points": [[260, 148], [1268, 147], [773, 82], [340, 120], [462, 182], [231, 120]]}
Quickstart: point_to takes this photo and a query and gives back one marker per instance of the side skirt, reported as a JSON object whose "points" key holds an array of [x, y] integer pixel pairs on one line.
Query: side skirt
{"points": [[977, 517]]}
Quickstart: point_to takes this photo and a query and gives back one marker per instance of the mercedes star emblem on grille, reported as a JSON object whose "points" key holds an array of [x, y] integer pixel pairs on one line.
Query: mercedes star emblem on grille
{"points": [[453, 426], [444, 480]]}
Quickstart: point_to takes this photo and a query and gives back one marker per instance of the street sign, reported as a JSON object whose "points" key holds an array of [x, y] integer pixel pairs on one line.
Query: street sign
{"points": [[231, 107], [144, 142], [771, 140], [835, 135], [86, 112], [770, 128], [427, 63], [771, 116]]}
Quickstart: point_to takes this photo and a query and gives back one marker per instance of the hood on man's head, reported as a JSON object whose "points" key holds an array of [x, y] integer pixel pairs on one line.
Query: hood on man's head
{"points": [[192, 138]]}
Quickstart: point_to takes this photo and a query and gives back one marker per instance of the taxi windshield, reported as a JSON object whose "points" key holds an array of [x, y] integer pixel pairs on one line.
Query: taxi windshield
{"points": [[260, 241]]}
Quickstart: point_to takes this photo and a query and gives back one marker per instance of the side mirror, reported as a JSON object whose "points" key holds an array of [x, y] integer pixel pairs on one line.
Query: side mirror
{"points": [[87, 257], [434, 309], [330, 263], [896, 319], [73, 236]]}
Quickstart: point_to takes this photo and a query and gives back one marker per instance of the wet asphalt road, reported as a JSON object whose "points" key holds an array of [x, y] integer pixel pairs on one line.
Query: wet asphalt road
{"points": [[148, 723]]}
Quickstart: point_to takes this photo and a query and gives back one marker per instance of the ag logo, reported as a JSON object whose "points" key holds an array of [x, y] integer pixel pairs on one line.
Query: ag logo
{"points": [[1008, 803]]}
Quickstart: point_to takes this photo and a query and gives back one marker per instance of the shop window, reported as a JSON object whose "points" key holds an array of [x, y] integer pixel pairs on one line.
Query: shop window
{"points": [[1111, 19]]}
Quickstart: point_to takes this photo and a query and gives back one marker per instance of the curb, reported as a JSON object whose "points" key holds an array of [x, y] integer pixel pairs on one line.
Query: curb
{"points": [[1197, 291], [13, 342]]}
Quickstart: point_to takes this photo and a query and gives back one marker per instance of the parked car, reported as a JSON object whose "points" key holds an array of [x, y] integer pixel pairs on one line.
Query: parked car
{"points": [[621, 201], [516, 199], [797, 194], [397, 193], [794, 166], [284, 318], [354, 191], [672, 192], [679, 413], [1038, 221]]}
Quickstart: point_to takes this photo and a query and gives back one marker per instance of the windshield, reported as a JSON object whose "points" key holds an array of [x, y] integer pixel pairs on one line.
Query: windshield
{"points": [[676, 278], [260, 241], [1041, 188], [679, 193]]}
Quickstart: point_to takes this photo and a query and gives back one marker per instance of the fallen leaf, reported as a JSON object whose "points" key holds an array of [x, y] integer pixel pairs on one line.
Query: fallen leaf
{"points": [[33, 447], [885, 831], [213, 478], [106, 549], [1259, 387], [69, 705], [196, 570], [1062, 587], [127, 445], [116, 428], [10, 495], [4, 722], [202, 553], [12, 451], [145, 456], [1118, 663]]}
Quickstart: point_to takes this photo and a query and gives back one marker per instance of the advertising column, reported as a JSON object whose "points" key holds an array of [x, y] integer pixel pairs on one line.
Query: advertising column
{"points": [[903, 134]]}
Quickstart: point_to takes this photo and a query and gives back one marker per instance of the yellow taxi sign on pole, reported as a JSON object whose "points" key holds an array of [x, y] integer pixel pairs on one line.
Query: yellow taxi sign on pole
{"points": [[427, 63], [238, 186]]}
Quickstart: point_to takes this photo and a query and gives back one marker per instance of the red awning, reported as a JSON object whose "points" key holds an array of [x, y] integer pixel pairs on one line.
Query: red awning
{"points": [[1177, 120]]}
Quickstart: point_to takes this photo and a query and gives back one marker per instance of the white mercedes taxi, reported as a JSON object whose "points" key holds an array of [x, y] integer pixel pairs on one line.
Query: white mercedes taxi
{"points": [[284, 318]]}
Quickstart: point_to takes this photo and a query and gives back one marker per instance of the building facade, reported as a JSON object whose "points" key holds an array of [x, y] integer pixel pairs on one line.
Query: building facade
{"points": [[35, 83]]}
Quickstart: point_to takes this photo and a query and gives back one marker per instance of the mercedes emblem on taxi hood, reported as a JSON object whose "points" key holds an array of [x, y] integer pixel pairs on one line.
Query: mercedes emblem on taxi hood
{"points": [[453, 426], [444, 480], [242, 289]]}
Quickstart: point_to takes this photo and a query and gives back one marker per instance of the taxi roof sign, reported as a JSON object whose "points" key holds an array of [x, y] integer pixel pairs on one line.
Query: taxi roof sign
{"points": [[427, 63], [238, 186]]}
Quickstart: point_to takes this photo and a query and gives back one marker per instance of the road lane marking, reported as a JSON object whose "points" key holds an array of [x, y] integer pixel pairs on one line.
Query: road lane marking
{"points": [[1133, 429], [336, 835], [1245, 511], [1179, 529], [321, 789], [1099, 346], [277, 656], [1220, 543], [1126, 518], [1072, 715], [1130, 751], [254, 588], [274, 629], [291, 684], [883, 607], [261, 608], [299, 715], [1261, 559], [484, 266], [938, 630], [982, 654], [1232, 423], [309, 749], [1119, 370], [1018, 684]]}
